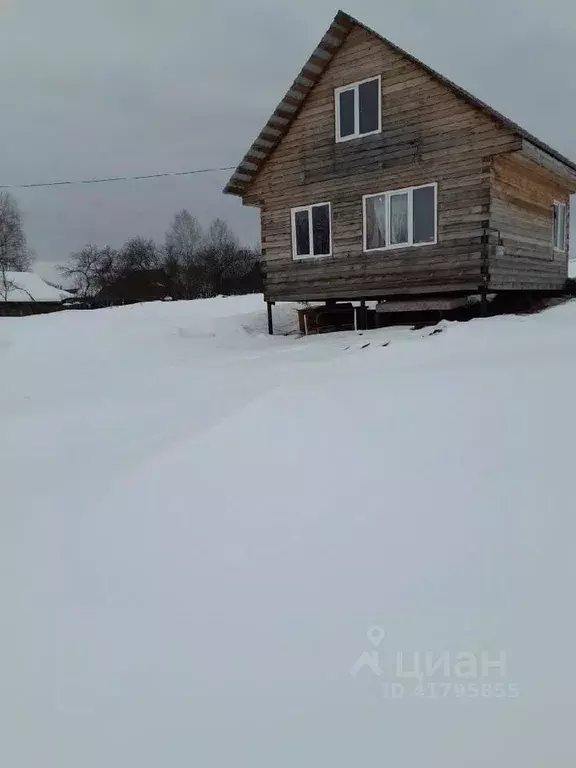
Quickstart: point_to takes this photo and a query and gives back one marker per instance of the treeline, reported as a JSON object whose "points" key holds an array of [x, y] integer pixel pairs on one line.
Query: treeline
{"points": [[190, 264]]}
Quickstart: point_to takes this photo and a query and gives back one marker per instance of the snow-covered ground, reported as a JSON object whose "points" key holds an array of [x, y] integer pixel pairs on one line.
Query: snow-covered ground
{"points": [[215, 544]]}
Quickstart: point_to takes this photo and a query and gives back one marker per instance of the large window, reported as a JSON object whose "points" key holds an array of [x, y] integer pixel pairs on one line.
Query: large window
{"points": [[560, 227], [358, 110], [311, 231], [400, 218]]}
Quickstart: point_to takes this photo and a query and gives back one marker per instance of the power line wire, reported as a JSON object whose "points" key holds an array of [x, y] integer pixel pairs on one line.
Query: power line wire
{"points": [[114, 178]]}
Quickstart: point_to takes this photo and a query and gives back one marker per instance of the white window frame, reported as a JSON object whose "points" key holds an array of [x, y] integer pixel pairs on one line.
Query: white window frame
{"points": [[559, 204], [410, 244], [308, 208], [354, 87]]}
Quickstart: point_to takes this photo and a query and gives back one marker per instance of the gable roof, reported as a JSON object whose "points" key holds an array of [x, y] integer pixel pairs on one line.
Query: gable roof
{"points": [[285, 113], [27, 286]]}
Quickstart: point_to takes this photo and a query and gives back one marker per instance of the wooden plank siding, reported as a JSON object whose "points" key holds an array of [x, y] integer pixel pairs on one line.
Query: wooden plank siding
{"points": [[521, 208], [429, 134]]}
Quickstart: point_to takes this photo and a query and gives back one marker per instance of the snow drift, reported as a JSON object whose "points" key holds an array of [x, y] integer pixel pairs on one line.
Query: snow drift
{"points": [[205, 529]]}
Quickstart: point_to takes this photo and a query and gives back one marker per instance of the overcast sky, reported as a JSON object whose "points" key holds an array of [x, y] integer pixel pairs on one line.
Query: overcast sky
{"points": [[126, 87]]}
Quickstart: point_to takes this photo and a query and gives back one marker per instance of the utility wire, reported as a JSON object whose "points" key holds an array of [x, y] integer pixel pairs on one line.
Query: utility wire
{"points": [[114, 178]]}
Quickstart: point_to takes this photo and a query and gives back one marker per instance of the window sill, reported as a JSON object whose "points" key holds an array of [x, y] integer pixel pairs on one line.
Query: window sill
{"points": [[342, 139], [400, 247], [312, 258]]}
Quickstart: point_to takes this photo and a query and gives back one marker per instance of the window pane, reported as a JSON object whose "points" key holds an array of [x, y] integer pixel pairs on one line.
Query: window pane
{"points": [[321, 229], [561, 227], [302, 233], [376, 222], [424, 214], [555, 225], [399, 219], [369, 104], [346, 107]]}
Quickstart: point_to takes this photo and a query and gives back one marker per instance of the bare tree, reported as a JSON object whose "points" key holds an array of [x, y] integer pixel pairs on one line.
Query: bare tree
{"points": [[185, 234], [184, 242], [221, 237], [191, 265], [6, 285], [89, 269], [14, 253], [9, 283], [137, 254], [217, 258], [132, 273], [208, 265]]}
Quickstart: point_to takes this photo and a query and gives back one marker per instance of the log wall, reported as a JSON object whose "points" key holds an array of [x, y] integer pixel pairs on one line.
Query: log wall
{"points": [[523, 194], [429, 134]]}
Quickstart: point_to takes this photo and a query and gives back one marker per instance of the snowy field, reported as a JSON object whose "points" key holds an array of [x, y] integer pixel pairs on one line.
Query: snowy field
{"points": [[225, 550]]}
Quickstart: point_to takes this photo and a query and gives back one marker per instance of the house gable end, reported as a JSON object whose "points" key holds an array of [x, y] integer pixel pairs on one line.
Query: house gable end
{"points": [[344, 34], [423, 122]]}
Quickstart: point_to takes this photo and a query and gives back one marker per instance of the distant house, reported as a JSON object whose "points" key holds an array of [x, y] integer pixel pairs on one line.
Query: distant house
{"points": [[25, 293], [378, 178], [136, 285]]}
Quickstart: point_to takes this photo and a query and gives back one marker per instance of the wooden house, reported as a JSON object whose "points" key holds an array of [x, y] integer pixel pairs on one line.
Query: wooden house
{"points": [[378, 178]]}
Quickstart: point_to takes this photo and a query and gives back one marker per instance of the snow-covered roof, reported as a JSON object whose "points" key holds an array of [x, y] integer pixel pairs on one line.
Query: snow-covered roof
{"points": [[27, 286]]}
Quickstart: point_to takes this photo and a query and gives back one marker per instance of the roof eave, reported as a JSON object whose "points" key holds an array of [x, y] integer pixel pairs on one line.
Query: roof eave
{"points": [[285, 113]]}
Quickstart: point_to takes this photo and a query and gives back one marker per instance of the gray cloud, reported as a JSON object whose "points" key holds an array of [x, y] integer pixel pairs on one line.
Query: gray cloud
{"points": [[123, 87]]}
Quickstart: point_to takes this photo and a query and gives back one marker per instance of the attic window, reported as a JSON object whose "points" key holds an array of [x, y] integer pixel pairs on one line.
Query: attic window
{"points": [[560, 227], [358, 109], [311, 231]]}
